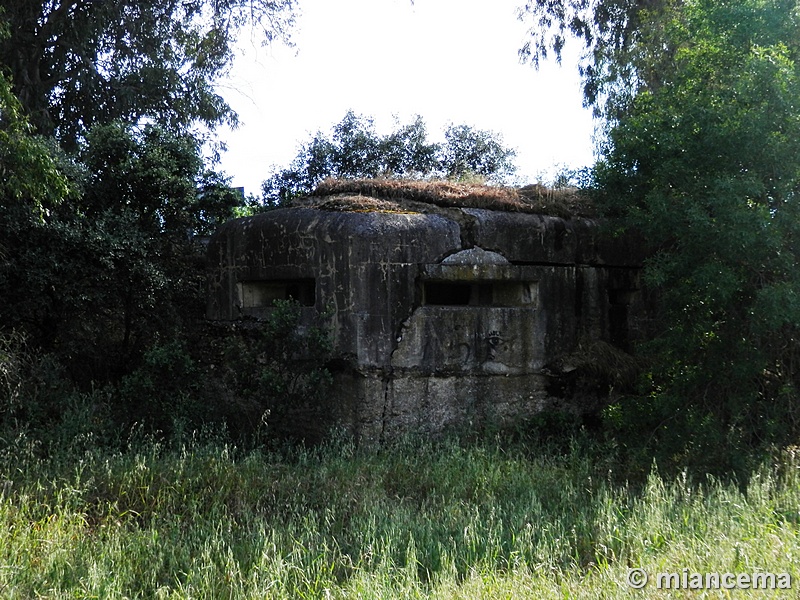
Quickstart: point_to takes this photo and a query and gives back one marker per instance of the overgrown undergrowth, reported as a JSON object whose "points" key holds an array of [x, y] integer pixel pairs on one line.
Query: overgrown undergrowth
{"points": [[444, 520]]}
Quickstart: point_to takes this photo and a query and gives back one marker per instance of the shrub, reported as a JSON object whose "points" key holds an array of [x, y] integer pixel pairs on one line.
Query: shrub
{"points": [[278, 368]]}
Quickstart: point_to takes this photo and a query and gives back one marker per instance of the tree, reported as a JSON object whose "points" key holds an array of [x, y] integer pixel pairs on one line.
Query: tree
{"points": [[155, 175], [97, 246], [104, 193], [29, 176], [406, 151], [619, 55], [702, 156], [473, 151], [100, 270], [355, 150], [75, 63], [98, 279]]}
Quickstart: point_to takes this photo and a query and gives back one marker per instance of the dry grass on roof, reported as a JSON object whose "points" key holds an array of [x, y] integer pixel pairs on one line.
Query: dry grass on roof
{"points": [[351, 203], [352, 194]]}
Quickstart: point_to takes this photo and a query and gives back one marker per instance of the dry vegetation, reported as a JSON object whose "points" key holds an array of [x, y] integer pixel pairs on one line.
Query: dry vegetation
{"points": [[401, 195]]}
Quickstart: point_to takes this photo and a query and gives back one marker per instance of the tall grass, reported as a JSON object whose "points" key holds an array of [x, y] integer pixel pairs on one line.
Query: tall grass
{"points": [[418, 520]]}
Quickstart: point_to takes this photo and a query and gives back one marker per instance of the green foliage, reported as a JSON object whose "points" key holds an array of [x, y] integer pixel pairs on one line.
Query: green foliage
{"points": [[101, 260], [164, 391], [157, 178], [354, 150], [421, 520], [103, 275], [468, 151], [30, 180], [40, 406], [407, 152], [30, 385], [279, 368], [618, 56], [700, 157], [77, 64]]}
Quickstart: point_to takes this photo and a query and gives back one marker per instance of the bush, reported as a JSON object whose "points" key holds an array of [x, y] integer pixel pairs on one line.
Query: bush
{"points": [[38, 402], [164, 390], [278, 368]]}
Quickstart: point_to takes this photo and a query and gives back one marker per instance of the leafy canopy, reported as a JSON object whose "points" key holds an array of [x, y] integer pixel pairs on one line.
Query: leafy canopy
{"points": [[74, 63], [105, 197], [702, 155], [100, 277], [355, 150], [29, 175]]}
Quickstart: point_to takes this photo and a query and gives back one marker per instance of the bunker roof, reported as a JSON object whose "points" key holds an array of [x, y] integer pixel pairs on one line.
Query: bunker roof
{"points": [[406, 195]]}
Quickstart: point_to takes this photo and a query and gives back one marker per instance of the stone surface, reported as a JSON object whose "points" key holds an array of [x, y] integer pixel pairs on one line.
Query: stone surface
{"points": [[446, 319]]}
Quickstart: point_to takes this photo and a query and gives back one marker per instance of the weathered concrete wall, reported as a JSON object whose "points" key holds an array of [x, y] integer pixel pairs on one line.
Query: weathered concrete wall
{"points": [[442, 319]]}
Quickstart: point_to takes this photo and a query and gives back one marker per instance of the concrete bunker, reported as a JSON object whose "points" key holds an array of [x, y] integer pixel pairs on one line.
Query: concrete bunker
{"points": [[442, 317]]}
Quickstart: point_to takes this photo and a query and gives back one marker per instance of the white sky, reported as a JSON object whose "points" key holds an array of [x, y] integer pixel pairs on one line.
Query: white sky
{"points": [[451, 61]]}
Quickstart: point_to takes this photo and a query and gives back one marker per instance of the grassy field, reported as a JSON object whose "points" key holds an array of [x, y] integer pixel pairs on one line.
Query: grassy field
{"points": [[419, 520]]}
